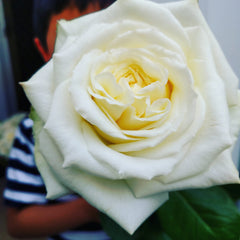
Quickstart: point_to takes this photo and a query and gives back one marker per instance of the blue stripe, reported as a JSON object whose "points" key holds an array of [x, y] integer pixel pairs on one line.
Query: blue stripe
{"points": [[16, 164], [22, 187], [15, 204], [24, 147]]}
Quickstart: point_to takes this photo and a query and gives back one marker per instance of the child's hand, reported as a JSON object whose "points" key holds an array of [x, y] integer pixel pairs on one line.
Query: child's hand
{"points": [[92, 214], [41, 221]]}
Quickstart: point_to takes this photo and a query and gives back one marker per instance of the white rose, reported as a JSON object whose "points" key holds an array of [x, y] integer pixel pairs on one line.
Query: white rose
{"points": [[138, 100]]}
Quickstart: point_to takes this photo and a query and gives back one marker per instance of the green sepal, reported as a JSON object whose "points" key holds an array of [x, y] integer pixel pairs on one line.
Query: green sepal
{"points": [[38, 123]]}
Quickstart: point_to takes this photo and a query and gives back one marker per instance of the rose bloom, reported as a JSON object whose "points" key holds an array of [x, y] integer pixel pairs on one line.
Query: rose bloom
{"points": [[138, 100]]}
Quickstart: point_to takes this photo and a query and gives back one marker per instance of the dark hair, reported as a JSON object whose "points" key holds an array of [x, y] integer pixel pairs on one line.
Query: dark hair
{"points": [[43, 9]]}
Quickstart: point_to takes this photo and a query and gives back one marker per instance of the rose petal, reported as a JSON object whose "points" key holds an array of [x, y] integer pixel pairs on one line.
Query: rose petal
{"points": [[126, 165], [82, 101], [193, 17], [72, 29], [108, 196], [221, 171], [65, 126], [54, 188], [39, 90], [234, 112], [214, 136]]}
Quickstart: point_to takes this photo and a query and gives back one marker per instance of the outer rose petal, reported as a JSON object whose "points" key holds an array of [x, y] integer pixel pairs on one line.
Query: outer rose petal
{"points": [[111, 197], [92, 37], [70, 29], [234, 118], [214, 136], [221, 171], [39, 90], [189, 14], [54, 188], [135, 9]]}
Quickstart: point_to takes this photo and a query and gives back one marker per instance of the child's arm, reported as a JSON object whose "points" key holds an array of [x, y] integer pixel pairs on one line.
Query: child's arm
{"points": [[41, 221]]}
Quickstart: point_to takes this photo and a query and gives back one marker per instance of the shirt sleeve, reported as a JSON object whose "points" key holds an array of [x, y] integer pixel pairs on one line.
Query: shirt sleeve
{"points": [[24, 185]]}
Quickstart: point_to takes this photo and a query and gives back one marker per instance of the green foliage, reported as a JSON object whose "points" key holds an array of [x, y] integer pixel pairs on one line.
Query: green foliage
{"points": [[149, 230], [38, 123], [200, 214]]}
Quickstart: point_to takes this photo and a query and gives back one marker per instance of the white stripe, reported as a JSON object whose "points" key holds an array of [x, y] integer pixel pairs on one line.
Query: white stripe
{"points": [[23, 177], [28, 122], [84, 235], [24, 197], [27, 159]]}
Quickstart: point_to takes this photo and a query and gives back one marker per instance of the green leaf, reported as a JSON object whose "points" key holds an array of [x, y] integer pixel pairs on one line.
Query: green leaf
{"points": [[201, 214], [233, 190], [38, 123], [149, 230]]}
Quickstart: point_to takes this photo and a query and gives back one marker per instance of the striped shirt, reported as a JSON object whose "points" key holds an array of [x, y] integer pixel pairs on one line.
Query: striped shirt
{"points": [[25, 186]]}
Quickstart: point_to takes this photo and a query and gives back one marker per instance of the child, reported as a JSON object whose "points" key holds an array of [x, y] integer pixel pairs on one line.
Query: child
{"points": [[29, 213]]}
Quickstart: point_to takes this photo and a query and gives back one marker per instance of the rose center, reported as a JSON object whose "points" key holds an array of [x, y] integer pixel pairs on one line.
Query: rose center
{"points": [[137, 78], [132, 97]]}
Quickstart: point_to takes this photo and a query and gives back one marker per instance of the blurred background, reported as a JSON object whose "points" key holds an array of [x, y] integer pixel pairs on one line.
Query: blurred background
{"points": [[19, 60]]}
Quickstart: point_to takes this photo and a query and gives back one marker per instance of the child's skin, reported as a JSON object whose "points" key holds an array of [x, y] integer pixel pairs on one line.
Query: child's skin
{"points": [[42, 220]]}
